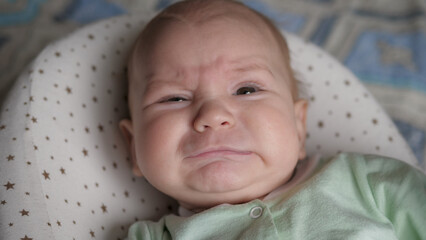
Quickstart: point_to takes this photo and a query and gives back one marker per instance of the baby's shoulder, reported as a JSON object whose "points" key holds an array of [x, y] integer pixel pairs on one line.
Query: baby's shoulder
{"points": [[370, 161], [368, 166]]}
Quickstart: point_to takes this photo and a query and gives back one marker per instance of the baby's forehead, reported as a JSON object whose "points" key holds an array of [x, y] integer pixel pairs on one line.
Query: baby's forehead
{"points": [[163, 29], [196, 13], [178, 46]]}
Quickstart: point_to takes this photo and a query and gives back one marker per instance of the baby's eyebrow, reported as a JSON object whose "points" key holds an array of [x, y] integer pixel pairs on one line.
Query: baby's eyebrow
{"points": [[154, 81], [170, 77], [253, 66], [158, 84]]}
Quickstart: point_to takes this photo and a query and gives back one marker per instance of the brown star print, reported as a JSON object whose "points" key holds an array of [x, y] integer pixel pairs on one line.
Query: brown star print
{"points": [[9, 185], [69, 90], [26, 238], [46, 175], [101, 128], [104, 208], [24, 212], [34, 119], [10, 158], [2, 127], [92, 233], [85, 152], [3, 202], [62, 170]]}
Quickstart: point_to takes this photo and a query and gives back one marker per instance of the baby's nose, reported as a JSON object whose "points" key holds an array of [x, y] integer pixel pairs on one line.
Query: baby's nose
{"points": [[213, 115]]}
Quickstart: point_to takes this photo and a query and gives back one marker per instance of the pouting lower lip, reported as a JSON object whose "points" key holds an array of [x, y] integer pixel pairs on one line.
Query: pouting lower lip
{"points": [[219, 152]]}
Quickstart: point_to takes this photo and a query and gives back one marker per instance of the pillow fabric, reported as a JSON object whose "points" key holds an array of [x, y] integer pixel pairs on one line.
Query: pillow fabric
{"points": [[343, 116], [65, 171]]}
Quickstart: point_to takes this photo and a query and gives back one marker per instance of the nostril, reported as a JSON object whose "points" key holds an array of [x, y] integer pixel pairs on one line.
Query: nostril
{"points": [[224, 123]]}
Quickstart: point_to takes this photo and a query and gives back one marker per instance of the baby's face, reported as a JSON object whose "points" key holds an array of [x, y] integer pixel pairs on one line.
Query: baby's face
{"points": [[213, 118]]}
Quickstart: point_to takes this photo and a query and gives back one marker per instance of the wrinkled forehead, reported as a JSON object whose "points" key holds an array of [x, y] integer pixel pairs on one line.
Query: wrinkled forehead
{"points": [[218, 37], [165, 24], [230, 19]]}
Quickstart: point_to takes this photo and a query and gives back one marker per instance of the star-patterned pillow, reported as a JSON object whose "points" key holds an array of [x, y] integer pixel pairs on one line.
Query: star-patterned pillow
{"points": [[64, 168]]}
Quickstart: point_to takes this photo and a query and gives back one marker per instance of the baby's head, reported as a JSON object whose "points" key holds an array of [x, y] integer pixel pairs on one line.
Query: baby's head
{"points": [[215, 115]]}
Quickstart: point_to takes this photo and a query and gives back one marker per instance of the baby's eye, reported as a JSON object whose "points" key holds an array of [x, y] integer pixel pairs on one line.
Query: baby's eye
{"points": [[173, 99], [246, 90]]}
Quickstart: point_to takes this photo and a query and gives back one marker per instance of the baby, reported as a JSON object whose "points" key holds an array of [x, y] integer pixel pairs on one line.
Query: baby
{"points": [[217, 124]]}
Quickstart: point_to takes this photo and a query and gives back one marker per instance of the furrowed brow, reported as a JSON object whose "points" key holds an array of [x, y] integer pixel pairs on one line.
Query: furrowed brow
{"points": [[158, 84], [253, 67]]}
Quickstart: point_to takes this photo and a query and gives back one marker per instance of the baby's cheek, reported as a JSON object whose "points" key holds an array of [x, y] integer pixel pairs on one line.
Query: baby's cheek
{"points": [[158, 161], [275, 129], [159, 138]]}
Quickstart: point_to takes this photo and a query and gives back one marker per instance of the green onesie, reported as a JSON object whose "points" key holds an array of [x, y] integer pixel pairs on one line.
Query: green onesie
{"points": [[350, 196]]}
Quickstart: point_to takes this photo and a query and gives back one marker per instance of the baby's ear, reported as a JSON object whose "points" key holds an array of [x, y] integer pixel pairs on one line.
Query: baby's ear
{"points": [[126, 128], [300, 112]]}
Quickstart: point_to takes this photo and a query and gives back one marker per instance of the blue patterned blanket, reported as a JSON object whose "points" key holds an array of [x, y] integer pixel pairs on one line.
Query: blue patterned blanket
{"points": [[382, 42]]}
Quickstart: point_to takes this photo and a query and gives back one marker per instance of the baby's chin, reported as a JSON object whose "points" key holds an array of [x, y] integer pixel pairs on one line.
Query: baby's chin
{"points": [[224, 176], [224, 189]]}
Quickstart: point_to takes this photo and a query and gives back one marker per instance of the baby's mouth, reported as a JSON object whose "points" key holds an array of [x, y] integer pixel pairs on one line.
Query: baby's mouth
{"points": [[218, 152]]}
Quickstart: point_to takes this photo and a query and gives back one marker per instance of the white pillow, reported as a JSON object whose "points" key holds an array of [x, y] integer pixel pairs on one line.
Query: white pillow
{"points": [[64, 169]]}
